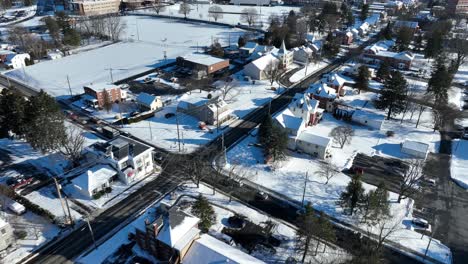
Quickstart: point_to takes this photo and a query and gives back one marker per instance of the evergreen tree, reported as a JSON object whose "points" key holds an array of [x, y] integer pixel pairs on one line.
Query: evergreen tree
{"points": [[384, 70], [353, 196], [44, 124], [362, 80], [203, 210], [306, 230], [404, 37], [265, 130], [12, 113], [393, 95], [277, 144], [434, 45], [364, 12], [349, 18], [376, 203], [387, 32], [325, 230], [331, 46], [71, 37], [440, 82], [241, 41]]}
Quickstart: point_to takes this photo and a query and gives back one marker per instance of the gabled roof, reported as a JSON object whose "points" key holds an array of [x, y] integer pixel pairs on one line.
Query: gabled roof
{"points": [[94, 177], [408, 24], [287, 119], [145, 99], [308, 137], [249, 45], [322, 90], [203, 59], [176, 224], [262, 62], [208, 249], [416, 146]]}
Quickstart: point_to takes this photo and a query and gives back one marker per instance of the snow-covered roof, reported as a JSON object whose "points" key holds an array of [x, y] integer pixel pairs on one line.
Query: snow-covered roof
{"points": [[208, 249], [310, 37], [250, 2], [338, 79], [6, 52], [2, 222], [101, 86], [176, 224], [287, 119], [94, 177], [408, 24], [322, 90], [145, 99], [262, 62], [307, 136], [373, 19], [416, 146], [249, 46], [196, 99], [404, 55], [202, 59]]}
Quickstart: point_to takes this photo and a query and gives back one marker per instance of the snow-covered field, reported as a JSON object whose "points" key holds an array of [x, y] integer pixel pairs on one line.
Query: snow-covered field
{"points": [[283, 231], [459, 166], [126, 58], [200, 11], [38, 230], [162, 131]]}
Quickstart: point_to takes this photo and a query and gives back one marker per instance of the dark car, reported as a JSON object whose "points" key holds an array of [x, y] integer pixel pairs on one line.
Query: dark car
{"points": [[169, 115]]}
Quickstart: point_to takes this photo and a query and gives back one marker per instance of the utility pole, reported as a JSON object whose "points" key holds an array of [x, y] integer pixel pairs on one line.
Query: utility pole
{"points": [[307, 64], [69, 87], [69, 213], [151, 133], [305, 186], [217, 118], [91, 231], [137, 30], [57, 185], [112, 77], [178, 133]]}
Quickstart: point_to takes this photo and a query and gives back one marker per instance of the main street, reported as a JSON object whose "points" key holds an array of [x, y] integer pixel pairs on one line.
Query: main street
{"points": [[69, 247]]}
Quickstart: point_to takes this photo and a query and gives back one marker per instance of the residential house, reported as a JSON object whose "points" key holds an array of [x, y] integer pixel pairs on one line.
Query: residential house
{"points": [[294, 125], [315, 145], [203, 65], [247, 49], [363, 29], [169, 234], [96, 95], [302, 55], [16, 61], [324, 94], [337, 81], [379, 52], [413, 26], [149, 102], [366, 118], [131, 159], [416, 149], [172, 236], [97, 178], [346, 37], [208, 108], [258, 69], [6, 235]]}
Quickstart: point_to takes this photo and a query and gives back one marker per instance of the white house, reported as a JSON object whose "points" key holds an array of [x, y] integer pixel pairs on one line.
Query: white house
{"points": [[247, 49], [314, 145], [302, 54], [131, 159], [415, 149], [148, 102], [95, 179], [7, 237], [16, 61], [369, 119], [257, 69]]}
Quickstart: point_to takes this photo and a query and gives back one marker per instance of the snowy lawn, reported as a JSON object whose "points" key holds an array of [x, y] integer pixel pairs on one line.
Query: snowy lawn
{"points": [[200, 11], [459, 162], [126, 58], [242, 99], [119, 192], [122, 109], [38, 231], [288, 179], [223, 210], [311, 68], [47, 199]]}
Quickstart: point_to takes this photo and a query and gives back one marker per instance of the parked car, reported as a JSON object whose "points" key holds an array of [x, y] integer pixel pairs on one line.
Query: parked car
{"points": [[19, 182], [169, 115], [16, 207], [261, 195], [421, 223]]}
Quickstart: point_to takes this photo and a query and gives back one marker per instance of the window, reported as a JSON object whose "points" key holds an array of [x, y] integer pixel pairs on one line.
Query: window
{"points": [[147, 164], [140, 169], [3, 231]]}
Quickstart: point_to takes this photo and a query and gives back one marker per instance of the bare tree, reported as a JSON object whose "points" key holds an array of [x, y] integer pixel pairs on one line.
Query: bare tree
{"points": [[159, 6], [342, 135], [272, 71], [228, 87], [443, 113], [107, 101], [327, 170], [18, 36], [72, 145], [410, 178], [249, 16], [215, 12], [184, 9], [380, 231], [114, 27]]}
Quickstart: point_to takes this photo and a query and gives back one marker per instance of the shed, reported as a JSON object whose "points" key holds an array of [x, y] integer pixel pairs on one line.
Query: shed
{"points": [[415, 149], [314, 145], [148, 101]]}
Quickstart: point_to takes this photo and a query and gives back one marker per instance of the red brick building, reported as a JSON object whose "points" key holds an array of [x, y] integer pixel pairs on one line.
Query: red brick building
{"points": [[203, 64], [457, 6], [97, 91]]}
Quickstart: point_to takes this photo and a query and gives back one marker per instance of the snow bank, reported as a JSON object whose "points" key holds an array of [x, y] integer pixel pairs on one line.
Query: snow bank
{"points": [[459, 162]]}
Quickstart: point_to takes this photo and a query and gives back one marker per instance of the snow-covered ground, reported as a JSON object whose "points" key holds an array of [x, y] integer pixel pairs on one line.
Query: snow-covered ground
{"points": [[288, 179], [283, 231], [38, 230], [311, 68], [200, 11], [29, 11], [142, 50], [162, 131], [459, 162]]}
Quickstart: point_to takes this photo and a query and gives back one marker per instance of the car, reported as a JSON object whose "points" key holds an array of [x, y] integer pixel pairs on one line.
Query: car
{"points": [[157, 156], [261, 195], [134, 113], [169, 115], [429, 181], [421, 223]]}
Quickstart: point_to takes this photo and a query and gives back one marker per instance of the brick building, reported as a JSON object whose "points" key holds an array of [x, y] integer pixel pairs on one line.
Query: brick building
{"points": [[95, 94], [202, 65], [95, 7]]}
